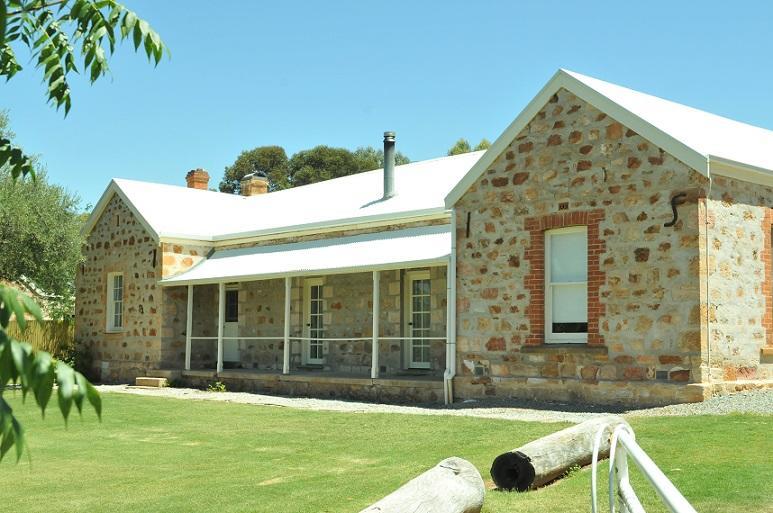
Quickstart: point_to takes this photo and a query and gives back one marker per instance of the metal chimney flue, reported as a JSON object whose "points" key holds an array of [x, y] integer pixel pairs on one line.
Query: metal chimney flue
{"points": [[389, 164]]}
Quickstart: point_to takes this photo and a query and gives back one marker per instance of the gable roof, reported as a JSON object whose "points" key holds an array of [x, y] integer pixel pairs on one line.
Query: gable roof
{"points": [[177, 212], [704, 141]]}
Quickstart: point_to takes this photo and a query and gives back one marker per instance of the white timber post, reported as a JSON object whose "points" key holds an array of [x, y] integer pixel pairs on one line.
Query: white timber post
{"points": [[189, 329], [286, 354], [376, 312], [220, 324]]}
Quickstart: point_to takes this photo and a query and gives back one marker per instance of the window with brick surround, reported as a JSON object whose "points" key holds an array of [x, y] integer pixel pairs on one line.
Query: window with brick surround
{"points": [[114, 302], [566, 285]]}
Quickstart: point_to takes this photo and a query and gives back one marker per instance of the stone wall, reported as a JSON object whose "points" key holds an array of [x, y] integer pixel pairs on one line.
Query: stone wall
{"points": [[573, 165], [119, 243], [737, 257]]}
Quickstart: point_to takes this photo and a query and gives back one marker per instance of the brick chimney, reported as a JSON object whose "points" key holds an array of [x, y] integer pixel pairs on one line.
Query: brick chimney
{"points": [[254, 184], [197, 179]]}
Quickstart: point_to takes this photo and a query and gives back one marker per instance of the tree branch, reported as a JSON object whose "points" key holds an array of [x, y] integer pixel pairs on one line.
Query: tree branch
{"points": [[35, 8]]}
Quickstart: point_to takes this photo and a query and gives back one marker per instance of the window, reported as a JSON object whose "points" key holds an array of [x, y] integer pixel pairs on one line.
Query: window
{"points": [[232, 305], [114, 301], [566, 285]]}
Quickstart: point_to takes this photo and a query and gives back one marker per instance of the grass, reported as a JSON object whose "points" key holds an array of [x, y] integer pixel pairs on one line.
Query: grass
{"points": [[170, 455]]}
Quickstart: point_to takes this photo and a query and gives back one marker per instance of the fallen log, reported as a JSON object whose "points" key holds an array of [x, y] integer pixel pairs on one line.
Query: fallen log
{"points": [[546, 459], [453, 486]]}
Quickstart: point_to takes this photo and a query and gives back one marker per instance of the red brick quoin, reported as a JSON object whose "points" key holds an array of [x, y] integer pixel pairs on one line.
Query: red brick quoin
{"points": [[535, 280]]}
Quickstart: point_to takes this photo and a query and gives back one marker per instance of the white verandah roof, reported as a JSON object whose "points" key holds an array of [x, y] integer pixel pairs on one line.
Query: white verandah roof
{"points": [[395, 249]]}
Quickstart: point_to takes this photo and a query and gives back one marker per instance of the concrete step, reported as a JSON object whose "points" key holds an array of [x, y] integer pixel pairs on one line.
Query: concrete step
{"points": [[146, 381]]}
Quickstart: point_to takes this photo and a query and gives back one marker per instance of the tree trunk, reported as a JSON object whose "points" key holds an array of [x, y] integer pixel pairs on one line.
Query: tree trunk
{"points": [[453, 486], [542, 461]]}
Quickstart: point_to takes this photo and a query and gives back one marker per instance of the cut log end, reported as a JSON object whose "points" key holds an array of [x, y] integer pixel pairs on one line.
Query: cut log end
{"points": [[513, 471]]}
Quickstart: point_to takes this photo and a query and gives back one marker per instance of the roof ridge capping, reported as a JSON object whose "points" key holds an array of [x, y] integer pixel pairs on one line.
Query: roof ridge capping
{"points": [[702, 140]]}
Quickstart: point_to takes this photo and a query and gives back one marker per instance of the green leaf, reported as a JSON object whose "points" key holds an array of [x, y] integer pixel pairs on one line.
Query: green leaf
{"points": [[32, 307], [79, 394], [43, 382], [65, 378], [3, 21], [94, 399]]}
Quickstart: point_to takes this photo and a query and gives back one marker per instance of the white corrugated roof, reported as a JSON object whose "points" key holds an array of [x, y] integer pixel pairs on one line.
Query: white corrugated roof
{"points": [[423, 246], [179, 212], [706, 133], [706, 142]]}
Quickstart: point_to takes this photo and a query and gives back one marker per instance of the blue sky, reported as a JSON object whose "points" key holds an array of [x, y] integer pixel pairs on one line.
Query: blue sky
{"points": [[297, 74]]}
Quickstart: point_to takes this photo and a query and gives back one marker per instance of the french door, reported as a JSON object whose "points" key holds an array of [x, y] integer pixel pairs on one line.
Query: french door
{"points": [[314, 322], [417, 318]]}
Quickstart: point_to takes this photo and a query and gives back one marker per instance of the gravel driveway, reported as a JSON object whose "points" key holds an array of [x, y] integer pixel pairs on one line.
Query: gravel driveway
{"points": [[757, 401]]}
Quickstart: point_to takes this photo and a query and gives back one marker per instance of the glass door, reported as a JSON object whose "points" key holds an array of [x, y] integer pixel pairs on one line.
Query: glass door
{"points": [[315, 330], [418, 316]]}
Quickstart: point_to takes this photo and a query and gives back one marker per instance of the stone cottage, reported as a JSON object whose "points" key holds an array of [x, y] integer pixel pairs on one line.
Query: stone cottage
{"points": [[610, 247]]}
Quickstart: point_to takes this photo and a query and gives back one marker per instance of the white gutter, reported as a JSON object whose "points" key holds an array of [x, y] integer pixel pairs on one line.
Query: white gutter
{"points": [[180, 280], [448, 376]]}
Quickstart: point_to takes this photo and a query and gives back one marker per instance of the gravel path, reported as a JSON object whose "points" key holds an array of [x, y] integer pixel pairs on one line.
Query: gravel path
{"points": [[758, 401]]}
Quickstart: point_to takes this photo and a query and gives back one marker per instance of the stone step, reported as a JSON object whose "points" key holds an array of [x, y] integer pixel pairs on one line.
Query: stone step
{"points": [[146, 381]]}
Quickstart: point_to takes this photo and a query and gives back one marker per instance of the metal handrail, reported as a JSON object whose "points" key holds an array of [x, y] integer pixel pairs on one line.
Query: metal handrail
{"points": [[621, 446]]}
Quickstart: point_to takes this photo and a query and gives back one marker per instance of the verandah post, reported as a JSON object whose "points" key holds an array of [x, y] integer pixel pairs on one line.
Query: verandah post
{"points": [[286, 354], [189, 329], [376, 308], [220, 324]]}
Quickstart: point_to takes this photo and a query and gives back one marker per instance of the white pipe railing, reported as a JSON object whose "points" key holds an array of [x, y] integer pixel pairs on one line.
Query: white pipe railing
{"points": [[622, 446]]}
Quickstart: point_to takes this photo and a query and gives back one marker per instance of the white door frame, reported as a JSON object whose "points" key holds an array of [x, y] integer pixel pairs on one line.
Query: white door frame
{"points": [[410, 277], [231, 329], [308, 345]]}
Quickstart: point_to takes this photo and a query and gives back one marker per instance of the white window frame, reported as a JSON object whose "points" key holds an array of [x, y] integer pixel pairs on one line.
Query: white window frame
{"points": [[410, 276], [110, 326], [561, 338], [308, 283]]}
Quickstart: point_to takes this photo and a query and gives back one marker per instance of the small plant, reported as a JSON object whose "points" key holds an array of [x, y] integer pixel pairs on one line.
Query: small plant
{"points": [[217, 386], [572, 470]]}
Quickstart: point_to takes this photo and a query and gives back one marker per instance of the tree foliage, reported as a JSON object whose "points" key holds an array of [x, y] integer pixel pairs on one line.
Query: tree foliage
{"points": [[307, 166], [369, 158], [39, 233], [271, 160], [56, 34], [463, 146], [459, 147], [319, 164]]}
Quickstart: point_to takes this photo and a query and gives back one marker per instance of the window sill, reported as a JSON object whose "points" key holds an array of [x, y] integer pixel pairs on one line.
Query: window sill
{"points": [[565, 348], [115, 331]]}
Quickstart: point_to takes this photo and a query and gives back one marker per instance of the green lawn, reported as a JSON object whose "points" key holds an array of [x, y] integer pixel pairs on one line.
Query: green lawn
{"points": [[171, 455]]}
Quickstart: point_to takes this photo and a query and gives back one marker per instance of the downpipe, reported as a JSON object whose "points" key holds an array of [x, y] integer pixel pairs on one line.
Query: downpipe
{"points": [[450, 372]]}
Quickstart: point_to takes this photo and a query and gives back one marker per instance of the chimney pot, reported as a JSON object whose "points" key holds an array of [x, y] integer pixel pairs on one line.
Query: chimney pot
{"points": [[389, 164], [254, 184], [197, 179]]}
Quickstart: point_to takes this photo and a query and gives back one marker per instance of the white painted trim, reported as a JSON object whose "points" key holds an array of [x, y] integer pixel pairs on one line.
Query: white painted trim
{"points": [[286, 338], [435, 262], [189, 328], [408, 278], [564, 80], [561, 338], [110, 306], [307, 284], [376, 311], [113, 189], [220, 324], [739, 171]]}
